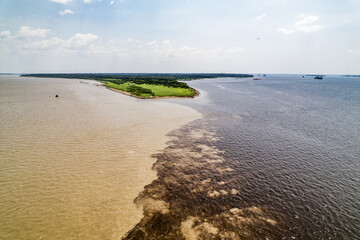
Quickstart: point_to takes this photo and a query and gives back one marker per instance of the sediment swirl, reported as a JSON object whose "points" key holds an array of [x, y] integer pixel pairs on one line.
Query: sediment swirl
{"points": [[196, 195]]}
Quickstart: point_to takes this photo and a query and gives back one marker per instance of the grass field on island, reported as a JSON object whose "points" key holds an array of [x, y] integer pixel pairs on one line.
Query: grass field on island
{"points": [[149, 90]]}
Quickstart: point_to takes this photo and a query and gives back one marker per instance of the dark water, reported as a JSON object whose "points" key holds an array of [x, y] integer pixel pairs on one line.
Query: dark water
{"points": [[272, 159]]}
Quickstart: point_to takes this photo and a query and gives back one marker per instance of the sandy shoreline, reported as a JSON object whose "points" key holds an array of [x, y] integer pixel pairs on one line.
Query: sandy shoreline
{"points": [[88, 154]]}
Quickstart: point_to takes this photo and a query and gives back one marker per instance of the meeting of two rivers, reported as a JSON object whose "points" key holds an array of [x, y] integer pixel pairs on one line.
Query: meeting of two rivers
{"points": [[270, 159]]}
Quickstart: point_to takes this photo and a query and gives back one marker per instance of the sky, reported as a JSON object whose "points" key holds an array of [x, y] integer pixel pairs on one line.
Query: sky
{"points": [[187, 36]]}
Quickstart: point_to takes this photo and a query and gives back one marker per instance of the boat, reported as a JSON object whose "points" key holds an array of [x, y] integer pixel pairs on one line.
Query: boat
{"points": [[256, 78], [318, 77]]}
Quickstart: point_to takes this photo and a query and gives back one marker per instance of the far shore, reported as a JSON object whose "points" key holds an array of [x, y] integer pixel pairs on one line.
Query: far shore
{"points": [[146, 85]]}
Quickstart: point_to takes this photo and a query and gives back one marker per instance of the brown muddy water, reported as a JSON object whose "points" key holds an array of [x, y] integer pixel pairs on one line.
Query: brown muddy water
{"points": [[72, 166]]}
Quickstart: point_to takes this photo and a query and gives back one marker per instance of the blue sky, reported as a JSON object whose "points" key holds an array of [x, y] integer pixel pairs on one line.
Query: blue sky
{"points": [[258, 36]]}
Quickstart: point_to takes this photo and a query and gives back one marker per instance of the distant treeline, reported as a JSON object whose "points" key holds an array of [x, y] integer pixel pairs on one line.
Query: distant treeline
{"points": [[125, 76], [165, 79]]}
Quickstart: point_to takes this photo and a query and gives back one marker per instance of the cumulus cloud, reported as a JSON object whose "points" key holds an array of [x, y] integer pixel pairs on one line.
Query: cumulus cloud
{"points": [[26, 32], [152, 43], [112, 2], [260, 16], [286, 31], [45, 44], [81, 48], [61, 1], [305, 20], [32, 43], [66, 11], [37, 42], [309, 28], [304, 24], [80, 40], [5, 34]]}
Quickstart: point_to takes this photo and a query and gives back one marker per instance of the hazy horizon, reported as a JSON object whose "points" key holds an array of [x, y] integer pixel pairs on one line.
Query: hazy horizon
{"points": [[280, 36], [305, 74]]}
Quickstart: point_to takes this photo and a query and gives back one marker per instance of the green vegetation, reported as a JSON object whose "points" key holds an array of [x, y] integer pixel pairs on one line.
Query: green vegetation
{"points": [[163, 91], [146, 85], [131, 88], [148, 90]]}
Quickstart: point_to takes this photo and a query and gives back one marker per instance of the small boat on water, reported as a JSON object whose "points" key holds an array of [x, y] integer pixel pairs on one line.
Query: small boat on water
{"points": [[256, 78], [318, 77]]}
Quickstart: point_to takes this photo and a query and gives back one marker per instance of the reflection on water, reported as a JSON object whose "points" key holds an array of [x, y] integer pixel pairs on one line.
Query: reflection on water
{"points": [[72, 166]]}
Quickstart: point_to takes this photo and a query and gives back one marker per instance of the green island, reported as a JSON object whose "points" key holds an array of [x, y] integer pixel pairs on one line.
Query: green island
{"points": [[145, 85]]}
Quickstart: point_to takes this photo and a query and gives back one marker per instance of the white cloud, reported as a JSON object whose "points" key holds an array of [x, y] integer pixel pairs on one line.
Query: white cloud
{"points": [[45, 44], [26, 32], [90, 1], [61, 1], [261, 16], [112, 2], [66, 11], [80, 40], [234, 51], [309, 28], [286, 31], [86, 44], [5, 34], [38, 43], [152, 43], [79, 50], [304, 24], [306, 20]]}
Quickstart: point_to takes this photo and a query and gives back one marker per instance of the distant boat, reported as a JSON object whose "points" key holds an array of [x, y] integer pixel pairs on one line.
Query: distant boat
{"points": [[318, 77], [256, 78]]}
